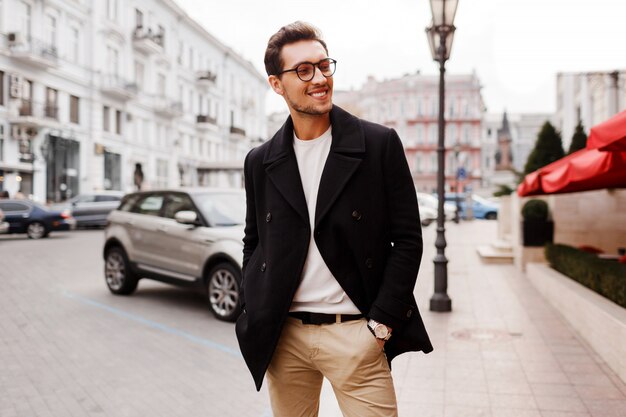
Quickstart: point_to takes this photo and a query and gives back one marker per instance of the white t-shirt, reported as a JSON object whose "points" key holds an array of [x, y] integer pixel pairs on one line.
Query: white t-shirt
{"points": [[319, 291]]}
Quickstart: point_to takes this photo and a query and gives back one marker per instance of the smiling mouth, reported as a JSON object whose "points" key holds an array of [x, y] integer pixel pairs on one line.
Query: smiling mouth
{"points": [[319, 94]]}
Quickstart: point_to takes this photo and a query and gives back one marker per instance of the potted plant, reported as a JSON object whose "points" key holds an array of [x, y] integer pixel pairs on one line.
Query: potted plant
{"points": [[537, 228]]}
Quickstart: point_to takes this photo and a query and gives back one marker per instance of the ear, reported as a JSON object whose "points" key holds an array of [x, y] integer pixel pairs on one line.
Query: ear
{"points": [[276, 84]]}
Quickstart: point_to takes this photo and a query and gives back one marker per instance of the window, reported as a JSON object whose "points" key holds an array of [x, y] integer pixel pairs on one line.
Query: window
{"points": [[113, 57], [418, 163], [176, 203], [118, 122], [433, 162], [74, 44], [420, 133], [112, 10], [108, 198], [138, 18], [149, 204], [74, 110], [51, 30], [106, 117], [25, 23], [1, 88], [1, 143], [112, 172], [51, 103], [161, 85], [161, 36], [181, 52], [139, 73], [11, 207]]}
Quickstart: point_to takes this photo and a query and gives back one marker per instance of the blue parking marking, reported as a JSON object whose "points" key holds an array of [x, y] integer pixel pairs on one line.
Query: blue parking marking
{"points": [[155, 325]]}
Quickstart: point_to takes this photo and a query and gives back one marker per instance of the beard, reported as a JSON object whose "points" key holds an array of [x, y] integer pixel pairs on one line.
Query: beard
{"points": [[311, 109]]}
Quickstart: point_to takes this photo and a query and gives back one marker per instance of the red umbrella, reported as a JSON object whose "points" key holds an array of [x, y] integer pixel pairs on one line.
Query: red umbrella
{"points": [[585, 170], [609, 135]]}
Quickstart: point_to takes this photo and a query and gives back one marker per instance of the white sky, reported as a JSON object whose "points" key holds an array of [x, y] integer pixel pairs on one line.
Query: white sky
{"points": [[515, 46]]}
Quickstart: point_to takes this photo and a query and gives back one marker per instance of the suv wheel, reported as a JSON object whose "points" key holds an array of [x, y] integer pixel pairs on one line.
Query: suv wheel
{"points": [[491, 216], [223, 291], [36, 230], [119, 277]]}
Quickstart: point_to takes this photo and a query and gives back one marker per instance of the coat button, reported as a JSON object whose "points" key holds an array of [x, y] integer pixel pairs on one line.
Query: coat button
{"points": [[268, 218], [409, 313], [369, 264], [356, 215], [263, 267]]}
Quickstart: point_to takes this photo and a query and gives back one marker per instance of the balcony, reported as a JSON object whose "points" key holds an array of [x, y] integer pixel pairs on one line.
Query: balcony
{"points": [[206, 79], [147, 41], [117, 87], [167, 107], [31, 51], [237, 132], [28, 114], [206, 122]]}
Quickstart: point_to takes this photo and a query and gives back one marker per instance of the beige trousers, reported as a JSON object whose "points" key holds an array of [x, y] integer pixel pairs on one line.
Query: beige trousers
{"points": [[347, 354]]}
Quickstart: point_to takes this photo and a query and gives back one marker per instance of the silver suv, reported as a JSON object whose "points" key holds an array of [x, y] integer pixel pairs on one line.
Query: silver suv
{"points": [[185, 237]]}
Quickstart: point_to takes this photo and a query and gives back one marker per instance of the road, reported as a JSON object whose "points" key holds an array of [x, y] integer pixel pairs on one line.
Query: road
{"points": [[71, 348]]}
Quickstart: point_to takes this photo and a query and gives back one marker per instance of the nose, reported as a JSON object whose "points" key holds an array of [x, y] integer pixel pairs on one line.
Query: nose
{"points": [[318, 77]]}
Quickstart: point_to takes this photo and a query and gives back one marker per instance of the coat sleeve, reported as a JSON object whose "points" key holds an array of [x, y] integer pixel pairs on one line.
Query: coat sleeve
{"points": [[394, 303], [251, 235]]}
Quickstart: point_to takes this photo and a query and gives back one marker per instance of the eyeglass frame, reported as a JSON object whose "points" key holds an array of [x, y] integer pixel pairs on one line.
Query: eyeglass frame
{"points": [[315, 66]]}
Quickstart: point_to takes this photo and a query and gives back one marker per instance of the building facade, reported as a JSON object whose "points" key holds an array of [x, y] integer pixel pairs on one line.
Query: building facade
{"points": [[588, 97], [120, 95], [410, 105]]}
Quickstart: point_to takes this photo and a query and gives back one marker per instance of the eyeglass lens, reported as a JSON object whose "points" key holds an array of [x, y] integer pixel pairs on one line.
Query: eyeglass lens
{"points": [[306, 70]]}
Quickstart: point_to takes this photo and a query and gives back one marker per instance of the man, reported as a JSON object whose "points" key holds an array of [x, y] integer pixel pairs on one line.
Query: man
{"points": [[332, 245]]}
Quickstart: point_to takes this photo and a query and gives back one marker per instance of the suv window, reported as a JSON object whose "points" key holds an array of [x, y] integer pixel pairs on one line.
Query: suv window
{"points": [[149, 204], [176, 203], [9, 207], [108, 198], [128, 202], [84, 198]]}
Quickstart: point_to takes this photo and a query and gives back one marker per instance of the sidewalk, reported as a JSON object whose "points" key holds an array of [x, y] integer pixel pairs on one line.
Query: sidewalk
{"points": [[502, 352]]}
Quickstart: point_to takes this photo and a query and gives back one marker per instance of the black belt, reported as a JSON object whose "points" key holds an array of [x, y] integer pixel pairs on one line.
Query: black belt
{"points": [[321, 318]]}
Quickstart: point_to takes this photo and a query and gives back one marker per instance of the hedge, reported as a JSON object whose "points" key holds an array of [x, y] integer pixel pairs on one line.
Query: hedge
{"points": [[607, 278]]}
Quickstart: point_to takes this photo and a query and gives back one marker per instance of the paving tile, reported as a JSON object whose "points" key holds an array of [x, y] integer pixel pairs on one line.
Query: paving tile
{"points": [[463, 411], [587, 392], [554, 390], [512, 401], [545, 413], [606, 408], [552, 403], [514, 412]]}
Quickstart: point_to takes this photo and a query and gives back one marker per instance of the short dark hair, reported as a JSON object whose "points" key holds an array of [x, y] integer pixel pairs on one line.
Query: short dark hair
{"points": [[293, 32]]}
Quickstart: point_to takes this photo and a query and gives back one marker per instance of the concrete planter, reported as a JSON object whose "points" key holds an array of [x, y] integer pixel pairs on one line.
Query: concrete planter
{"points": [[599, 321]]}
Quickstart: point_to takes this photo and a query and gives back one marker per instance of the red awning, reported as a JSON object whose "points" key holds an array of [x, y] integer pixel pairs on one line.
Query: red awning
{"points": [[609, 135], [587, 170], [602, 164], [532, 184]]}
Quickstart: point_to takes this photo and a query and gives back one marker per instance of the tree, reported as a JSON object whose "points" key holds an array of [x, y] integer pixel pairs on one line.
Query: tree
{"points": [[579, 140], [548, 148]]}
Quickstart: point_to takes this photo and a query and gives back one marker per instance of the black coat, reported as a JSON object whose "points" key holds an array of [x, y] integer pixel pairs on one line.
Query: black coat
{"points": [[367, 229]]}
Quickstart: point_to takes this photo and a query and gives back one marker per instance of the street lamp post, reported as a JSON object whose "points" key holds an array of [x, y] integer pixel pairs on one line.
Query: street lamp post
{"points": [[440, 35], [457, 176]]}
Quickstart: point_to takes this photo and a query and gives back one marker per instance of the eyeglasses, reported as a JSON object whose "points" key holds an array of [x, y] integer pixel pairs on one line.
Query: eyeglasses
{"points": [[306, 70]]}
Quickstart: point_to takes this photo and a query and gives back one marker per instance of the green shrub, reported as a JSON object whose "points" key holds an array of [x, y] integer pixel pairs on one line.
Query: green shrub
{"points": [[607, 278], [535, 210]]}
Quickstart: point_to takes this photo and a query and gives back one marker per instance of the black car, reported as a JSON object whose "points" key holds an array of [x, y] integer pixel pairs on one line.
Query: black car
{"points": [[37, 221]]}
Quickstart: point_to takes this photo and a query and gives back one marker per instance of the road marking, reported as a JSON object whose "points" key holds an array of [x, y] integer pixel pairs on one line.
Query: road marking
{"points": [[155, 325]]}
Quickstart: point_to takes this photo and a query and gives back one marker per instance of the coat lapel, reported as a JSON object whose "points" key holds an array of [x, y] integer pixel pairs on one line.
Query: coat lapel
{"points": [[281, 167], [346, 151]]}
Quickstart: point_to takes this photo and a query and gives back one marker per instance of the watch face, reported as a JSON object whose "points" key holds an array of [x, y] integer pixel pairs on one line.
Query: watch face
{"points": [[381, 331]]}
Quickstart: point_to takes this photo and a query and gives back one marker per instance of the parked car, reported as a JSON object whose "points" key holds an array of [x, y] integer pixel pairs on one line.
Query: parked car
{"points": [[429, 204], [92, 209], [4, 226], [37, 221], [481, 207], [185, 237]]}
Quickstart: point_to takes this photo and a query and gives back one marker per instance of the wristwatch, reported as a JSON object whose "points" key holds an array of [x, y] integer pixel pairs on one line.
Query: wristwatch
{"points": [[379, 330]]}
